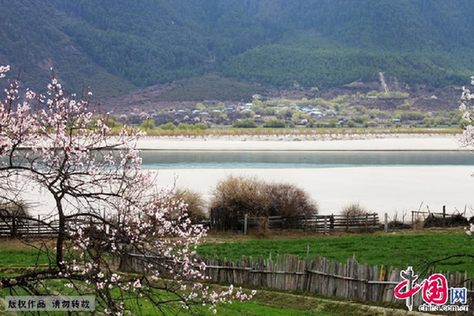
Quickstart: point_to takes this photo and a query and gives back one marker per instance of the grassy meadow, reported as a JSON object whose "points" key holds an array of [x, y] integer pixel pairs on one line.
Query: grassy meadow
{"points": [[394, 249], [399, 249]]}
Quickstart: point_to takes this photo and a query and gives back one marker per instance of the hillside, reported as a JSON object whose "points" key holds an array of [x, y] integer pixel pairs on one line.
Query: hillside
{"points": [[118, 46]]}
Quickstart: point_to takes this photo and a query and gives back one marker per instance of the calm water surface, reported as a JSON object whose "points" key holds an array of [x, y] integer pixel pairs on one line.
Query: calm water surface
{"points": [[301, 159]]}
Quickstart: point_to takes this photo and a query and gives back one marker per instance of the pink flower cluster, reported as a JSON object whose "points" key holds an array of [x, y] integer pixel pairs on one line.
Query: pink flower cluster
{"points": [[467, 107]]}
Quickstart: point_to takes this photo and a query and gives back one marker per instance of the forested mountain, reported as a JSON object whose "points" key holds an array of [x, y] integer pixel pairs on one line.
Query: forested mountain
{"points": [[117, 45]]}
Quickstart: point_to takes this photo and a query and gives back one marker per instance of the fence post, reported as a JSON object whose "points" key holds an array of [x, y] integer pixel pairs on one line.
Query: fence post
{"points": [[444, 215], [39, 219], [386, 223], [126, 262], [13, 232], [367, 222], [325, 224], [413, 219], [245, 223]]}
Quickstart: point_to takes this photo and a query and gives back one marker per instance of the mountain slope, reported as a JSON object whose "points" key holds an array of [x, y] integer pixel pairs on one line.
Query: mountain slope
{"points": [[328, 66], [32, 42], [117, 46]]}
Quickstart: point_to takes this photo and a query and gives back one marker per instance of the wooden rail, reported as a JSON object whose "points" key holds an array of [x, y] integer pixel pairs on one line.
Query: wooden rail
{"points": [[30, 227], [319, 223]]}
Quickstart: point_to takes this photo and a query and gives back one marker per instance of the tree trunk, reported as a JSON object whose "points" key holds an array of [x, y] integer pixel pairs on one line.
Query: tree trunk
{"points": [[61, 233]]}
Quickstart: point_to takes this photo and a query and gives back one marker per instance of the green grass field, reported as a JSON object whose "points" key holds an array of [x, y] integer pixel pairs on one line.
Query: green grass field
{"points": [[395, 249]]}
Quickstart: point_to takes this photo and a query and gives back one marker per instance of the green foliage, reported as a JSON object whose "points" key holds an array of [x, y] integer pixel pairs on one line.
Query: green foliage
{"points": [[116, 46], [411, 116], [244, 123], [113, 123], [199, 106], [197, 126], [282, 64], [388, 95], [147, 125], [168, 126], [275, 123]]}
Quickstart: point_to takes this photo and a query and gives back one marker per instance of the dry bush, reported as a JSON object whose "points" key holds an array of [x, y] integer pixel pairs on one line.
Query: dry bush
{"points": [[196, 205], [262, 227], [233, 198], [14, 208], [287, 200], [418, 222], [354, 210], [355, 215], [236, 196], [449, 221], [395, 224]]}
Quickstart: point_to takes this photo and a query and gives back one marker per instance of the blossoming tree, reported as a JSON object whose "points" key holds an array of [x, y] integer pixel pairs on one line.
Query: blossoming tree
{"points": [[467, 107], [55, 142]]}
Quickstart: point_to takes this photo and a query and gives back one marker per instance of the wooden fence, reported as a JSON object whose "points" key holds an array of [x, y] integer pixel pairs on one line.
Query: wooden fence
{"points": [[350, 280], [17, 226], [317, 223], [24, 226]]}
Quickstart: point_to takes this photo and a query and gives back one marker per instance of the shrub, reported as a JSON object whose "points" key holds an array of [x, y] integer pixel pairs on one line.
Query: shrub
{"points": [[196, 205], [275, 123], [244, 123], [233, 198], [168, 126], [200, 126], [449, 221], [262, 226], [353, 210], [148, 124], [14, 209], [287, 200], [398, 225], [183, 126], [412, 116], [236, 196]]}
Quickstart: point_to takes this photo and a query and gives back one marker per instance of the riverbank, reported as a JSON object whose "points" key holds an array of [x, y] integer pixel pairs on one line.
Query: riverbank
{"points": [[303, 142]]}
